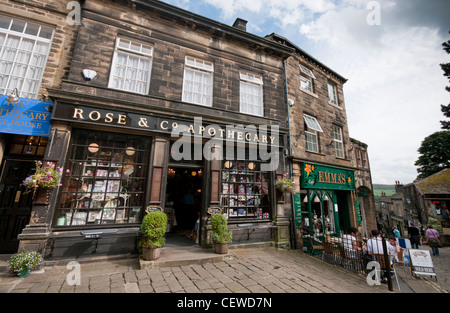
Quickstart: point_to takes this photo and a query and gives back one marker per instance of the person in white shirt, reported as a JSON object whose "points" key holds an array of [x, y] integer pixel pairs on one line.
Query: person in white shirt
{"points": [[375, 246], [350, 244]]}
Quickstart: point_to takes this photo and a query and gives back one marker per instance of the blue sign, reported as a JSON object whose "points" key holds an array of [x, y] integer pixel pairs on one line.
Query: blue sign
{"points": [[28, 117]]}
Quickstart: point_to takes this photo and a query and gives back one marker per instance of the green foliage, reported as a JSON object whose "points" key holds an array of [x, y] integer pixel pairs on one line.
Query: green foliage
{"points": [[285, 184], [436, 225], [153, 230], [24, 261], [434, 154], [220, 232]]}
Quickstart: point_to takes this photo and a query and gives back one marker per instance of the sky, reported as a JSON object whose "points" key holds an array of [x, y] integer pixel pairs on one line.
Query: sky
{"points": [[389, 50]]}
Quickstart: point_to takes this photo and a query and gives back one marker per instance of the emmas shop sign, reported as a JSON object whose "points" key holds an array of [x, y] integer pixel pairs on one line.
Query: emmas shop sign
{"points": [[323, 177]]}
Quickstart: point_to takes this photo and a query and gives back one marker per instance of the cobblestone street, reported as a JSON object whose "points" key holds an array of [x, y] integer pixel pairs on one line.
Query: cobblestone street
{"points": [[257, 270], [249, 270]]}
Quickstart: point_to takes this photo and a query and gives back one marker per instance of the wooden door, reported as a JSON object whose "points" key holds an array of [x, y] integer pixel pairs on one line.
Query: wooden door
{"points": [[15, 205]]}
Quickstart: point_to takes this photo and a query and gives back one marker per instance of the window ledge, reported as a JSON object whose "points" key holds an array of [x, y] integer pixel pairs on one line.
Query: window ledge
{"points": [[309, 93], [335, 105], [317, 153]]}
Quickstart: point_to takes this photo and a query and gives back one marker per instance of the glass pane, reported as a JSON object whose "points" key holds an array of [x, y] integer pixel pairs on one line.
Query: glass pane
{"points": [[4, 22], [312, 123], [18, 25], [32, 29], [46, 32]]}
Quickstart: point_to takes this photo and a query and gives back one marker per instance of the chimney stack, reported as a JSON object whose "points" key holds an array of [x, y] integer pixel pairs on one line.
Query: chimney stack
{"points": [[240, 24]]}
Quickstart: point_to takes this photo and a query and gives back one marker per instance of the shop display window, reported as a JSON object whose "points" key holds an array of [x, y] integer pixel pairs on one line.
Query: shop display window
{"points": [[107, 179], [245, 190]]}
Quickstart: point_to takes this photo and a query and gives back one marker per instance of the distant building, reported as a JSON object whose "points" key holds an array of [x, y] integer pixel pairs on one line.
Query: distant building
{"points": [[429, 199], [364, 187]]}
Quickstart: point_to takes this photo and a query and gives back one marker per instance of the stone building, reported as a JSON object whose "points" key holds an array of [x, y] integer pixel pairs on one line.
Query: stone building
{"points": [[428, 200], [391, 212], [166, 110], [363, 183], [323, 164], [36, 45]]}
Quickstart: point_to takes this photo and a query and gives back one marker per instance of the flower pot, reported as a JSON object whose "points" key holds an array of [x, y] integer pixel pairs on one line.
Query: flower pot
{"points": [[151, 254], [280, 196], [24, 273], [42, 196], [221, 248]]}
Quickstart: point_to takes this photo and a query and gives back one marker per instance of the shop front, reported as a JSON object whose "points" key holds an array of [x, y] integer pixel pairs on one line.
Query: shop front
{"points": [[121, 164], [24, 132], [328, 205]]}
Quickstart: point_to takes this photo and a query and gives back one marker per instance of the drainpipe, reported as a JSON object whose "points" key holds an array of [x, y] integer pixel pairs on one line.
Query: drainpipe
{"points": [[288, 116], [294, 232]]}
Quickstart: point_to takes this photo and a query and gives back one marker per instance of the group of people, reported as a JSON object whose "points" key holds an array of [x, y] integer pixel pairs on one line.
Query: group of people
{"points": [[374, 244], [431, 236]]}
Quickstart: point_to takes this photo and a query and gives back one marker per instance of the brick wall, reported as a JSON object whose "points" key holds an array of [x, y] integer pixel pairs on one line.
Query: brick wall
{"points": [[318, 106], [173, 40]]}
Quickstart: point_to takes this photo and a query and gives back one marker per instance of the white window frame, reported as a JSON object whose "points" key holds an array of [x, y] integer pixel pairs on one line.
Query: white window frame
{"points": [[122, 80], [332, 93], [251, 93], [307, 71], [16, 62], [338, 142], [311, 133], [200, 92], [312, 141], [312, 123], [306, 79]]}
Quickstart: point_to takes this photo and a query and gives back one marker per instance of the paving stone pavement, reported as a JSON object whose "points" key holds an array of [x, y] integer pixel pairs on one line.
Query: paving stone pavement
{"points": [[249, 270]]}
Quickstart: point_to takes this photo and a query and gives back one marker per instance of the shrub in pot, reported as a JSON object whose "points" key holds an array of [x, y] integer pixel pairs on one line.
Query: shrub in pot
{"points": [[221, 236], [153, 231]]}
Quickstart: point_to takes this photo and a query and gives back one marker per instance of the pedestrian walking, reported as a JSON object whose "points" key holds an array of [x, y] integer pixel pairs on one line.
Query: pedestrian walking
{"points": [[414, 236], [432, 236], [396, 232]]}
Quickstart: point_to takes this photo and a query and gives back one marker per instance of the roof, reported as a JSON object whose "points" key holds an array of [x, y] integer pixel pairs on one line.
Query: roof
{"points": [[213, 26], [281, 39], [438, 183]]}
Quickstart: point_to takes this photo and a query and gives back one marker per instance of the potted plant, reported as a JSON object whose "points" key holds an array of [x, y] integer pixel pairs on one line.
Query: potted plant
{"points": [[285, 184], [46, 177], [24, 262], [221, 236], [153, 231]]}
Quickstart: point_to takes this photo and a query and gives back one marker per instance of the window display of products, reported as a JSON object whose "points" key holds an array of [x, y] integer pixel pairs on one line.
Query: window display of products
{"points": [[107, 179], [245, 190]]}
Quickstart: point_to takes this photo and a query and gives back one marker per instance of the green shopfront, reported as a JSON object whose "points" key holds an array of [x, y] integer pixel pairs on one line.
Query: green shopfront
{"points": [[328, 203]]}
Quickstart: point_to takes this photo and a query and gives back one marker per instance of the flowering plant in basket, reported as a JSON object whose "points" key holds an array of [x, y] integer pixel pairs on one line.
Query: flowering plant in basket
{"points": [[285, 184], [47, 175]]}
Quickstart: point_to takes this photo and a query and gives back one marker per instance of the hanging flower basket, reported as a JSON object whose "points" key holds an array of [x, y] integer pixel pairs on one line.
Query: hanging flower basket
{"points": [[47, 177], [285, 184]]}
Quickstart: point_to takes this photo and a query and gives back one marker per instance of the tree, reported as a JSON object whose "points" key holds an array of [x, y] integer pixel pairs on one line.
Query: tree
{"points": [[446, 68], [434, 154]]}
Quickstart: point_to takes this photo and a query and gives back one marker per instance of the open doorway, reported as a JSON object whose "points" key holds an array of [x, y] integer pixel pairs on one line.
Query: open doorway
{"points": [[184, 200]]}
